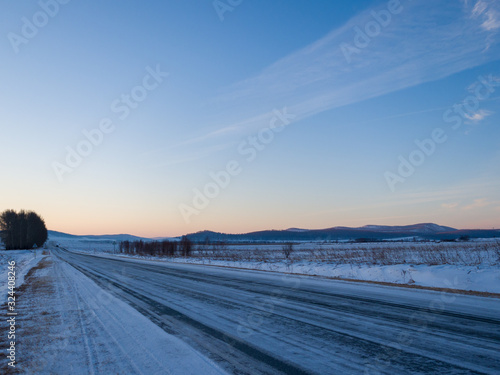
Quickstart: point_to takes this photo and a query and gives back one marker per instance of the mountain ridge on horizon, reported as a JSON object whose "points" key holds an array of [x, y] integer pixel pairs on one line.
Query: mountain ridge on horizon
{"points": [[373, 232]]}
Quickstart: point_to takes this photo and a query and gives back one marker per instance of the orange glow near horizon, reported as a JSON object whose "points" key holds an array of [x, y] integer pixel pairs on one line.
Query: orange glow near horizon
{"points": [[155, 230]]}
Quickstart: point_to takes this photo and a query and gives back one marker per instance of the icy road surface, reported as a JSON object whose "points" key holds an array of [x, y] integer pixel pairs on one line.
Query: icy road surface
{"points": [[67, 325], [251, 322]]}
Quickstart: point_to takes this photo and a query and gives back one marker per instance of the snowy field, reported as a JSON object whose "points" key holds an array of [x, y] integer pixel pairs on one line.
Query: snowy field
{"points": [[470, 266]]}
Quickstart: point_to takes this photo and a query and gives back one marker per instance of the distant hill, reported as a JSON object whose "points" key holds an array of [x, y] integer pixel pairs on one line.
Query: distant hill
{"points": [[423, 231], [416, 228], [53, 235]]}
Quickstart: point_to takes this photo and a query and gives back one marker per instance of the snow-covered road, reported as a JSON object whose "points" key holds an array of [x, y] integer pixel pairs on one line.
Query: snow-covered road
{"points": [[252, 322], [66, 324]]}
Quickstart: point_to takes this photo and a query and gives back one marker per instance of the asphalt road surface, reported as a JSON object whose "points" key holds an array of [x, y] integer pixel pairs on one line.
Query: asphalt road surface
{"points": [[252, 322]]}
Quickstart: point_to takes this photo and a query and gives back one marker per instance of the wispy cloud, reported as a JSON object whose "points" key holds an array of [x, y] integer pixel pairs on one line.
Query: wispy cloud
{"points": [[489, 13], [235, 128], [420, 44], [479, 8], [473, 87], [479, 115], [477, 203], [454, 196], [492, 22]]}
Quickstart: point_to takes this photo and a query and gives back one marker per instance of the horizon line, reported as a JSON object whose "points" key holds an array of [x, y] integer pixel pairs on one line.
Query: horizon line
{"points": [[263, 230]]}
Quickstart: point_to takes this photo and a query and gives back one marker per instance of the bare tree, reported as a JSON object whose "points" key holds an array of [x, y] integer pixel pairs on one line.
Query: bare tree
{"points": [[186, 246], [287, 250]]}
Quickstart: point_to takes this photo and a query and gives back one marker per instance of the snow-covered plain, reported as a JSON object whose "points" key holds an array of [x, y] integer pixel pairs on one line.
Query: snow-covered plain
{"points": [[470, 266]]}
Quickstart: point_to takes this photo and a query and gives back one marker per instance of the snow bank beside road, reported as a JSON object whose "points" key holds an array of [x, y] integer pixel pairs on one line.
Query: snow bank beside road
{"points": [[25, 260]]}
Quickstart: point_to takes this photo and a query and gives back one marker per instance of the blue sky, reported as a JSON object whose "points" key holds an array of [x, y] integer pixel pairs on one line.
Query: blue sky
{"points": [[317, 108]]}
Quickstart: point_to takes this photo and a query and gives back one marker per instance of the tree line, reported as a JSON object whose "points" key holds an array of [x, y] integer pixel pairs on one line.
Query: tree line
{"points": [[22, 230], [164, 248]]}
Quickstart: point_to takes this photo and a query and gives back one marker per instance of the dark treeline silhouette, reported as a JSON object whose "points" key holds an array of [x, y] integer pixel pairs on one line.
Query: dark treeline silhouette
{"points": [[22, 230], [157, 248]]}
